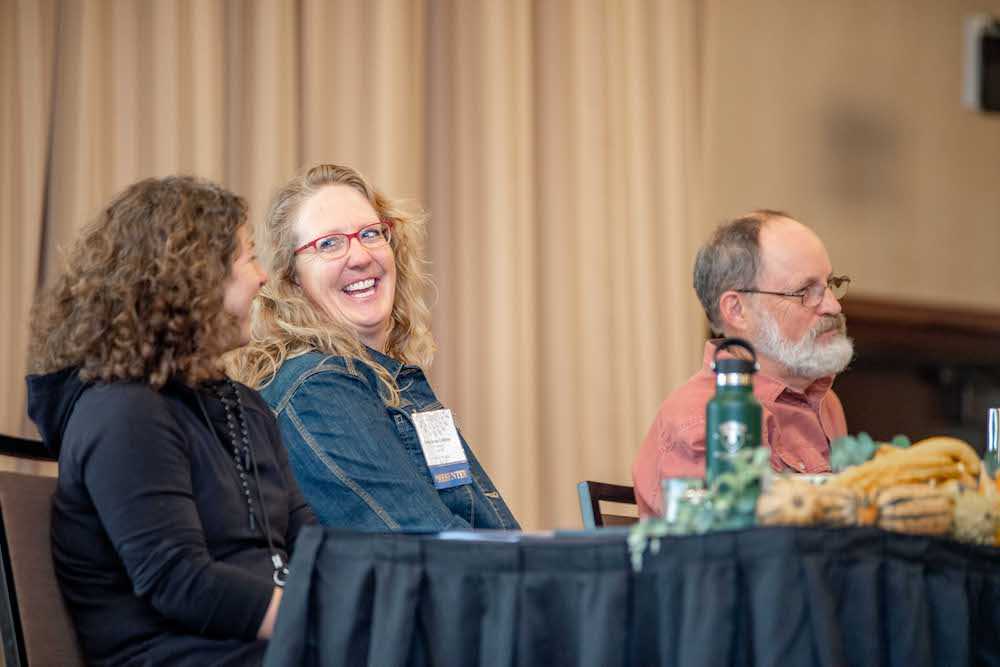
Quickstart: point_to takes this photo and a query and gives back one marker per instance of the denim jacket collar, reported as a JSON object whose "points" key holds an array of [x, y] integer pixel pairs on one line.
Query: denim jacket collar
{"points": [[394, 366], [343, 446]]}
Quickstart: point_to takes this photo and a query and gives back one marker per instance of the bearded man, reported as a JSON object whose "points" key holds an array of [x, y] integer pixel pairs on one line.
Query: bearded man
{"points": [[766, 278]]}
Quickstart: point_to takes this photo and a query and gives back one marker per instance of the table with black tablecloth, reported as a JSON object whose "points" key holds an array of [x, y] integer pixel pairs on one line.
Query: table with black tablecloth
{"points": [[765, 596]]}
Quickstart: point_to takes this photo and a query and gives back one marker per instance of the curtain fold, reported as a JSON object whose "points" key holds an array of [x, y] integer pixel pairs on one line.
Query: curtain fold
{"points": [[27, 57], [562, 162], [555, 144], [362, 90], [485, 236]]}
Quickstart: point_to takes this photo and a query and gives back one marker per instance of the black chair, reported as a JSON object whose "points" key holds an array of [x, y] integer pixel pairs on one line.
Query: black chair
{"points": [[23, 448], [592, 493], [35, 626]]}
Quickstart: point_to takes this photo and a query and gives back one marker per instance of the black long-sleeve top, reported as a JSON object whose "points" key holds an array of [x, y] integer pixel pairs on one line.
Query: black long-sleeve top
{"points": [[152, 541]]}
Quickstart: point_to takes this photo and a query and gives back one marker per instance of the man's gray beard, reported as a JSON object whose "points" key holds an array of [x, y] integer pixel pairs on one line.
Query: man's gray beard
{"points": [[806, 358]]}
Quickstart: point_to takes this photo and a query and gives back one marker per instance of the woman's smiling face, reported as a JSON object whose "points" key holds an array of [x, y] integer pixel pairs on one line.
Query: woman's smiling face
{"points": [[358, 288]]}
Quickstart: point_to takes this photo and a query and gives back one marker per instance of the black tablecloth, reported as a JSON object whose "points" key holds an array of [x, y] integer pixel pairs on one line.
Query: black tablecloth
{"points": [[767, 596]]}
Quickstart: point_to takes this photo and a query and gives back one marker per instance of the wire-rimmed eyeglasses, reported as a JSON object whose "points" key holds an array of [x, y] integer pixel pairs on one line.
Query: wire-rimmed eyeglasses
{"points": [[811, 296]]}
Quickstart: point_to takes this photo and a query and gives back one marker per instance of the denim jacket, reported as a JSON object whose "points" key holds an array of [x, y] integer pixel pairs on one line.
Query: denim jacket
{"points": [[359, 461]]}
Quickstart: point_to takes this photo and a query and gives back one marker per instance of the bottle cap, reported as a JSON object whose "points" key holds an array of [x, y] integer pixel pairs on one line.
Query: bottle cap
{"points": [[735, 365]]}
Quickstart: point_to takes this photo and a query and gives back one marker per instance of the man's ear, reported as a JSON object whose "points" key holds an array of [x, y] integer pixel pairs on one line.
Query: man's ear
{"points": [[733, 312]]}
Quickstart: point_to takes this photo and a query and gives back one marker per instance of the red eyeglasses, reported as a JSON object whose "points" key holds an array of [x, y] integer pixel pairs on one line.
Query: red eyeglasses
{"points": [[335, 246]]}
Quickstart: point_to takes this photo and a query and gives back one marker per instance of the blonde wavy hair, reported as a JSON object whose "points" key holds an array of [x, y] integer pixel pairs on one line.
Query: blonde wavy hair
{"points": [[141, 295], [287, 324]]}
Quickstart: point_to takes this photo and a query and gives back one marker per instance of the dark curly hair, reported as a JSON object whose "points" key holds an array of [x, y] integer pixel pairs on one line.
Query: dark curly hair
{"points": [[141, 297]]}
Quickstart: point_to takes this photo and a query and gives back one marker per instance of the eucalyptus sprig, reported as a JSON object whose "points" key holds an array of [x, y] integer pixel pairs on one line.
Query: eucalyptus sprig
{"points": [[853, 450], [728, 503]]}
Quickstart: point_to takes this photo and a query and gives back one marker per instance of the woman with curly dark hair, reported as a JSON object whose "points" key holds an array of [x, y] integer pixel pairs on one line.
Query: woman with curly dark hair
{"points": [[175, 511]]}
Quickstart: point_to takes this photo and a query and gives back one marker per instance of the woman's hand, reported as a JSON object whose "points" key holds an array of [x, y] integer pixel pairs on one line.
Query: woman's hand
{"points": [[267, 625]]}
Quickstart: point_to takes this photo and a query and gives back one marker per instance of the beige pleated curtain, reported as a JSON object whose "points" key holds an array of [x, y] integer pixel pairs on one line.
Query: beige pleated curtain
{"points": [[555, 143]]}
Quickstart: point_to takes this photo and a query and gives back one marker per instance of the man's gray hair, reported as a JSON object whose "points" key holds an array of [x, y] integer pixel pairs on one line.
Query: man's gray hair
{"points": [[730, 260]]}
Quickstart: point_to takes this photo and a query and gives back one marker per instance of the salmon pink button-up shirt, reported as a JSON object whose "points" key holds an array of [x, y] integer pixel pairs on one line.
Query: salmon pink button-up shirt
{"points": [[797, 426]]}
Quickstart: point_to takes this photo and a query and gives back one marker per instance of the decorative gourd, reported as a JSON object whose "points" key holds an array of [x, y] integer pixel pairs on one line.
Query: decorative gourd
{"points": [[788, 502], [884, 449], [958, 450], [976, 518], [986, 485], [914, 508], [934, 460], [867, 512], [837, 506], [969, 482]]}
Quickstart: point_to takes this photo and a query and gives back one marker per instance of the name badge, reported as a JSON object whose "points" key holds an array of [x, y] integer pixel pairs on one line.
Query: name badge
{"points": [[442, 448]]}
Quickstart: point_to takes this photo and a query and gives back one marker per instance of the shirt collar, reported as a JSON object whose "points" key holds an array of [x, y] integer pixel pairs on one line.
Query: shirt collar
{"points": [[770, 389]]}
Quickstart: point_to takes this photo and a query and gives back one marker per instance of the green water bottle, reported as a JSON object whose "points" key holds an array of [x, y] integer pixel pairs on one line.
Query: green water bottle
{"points": [[732, 419]]}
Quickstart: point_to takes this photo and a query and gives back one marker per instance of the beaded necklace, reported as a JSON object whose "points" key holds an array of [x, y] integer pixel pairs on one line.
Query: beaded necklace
{"points": [[245, 462]]}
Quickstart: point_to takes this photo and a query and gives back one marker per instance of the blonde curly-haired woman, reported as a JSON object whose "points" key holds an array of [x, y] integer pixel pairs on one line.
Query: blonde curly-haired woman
{"points": [[340, 334]]}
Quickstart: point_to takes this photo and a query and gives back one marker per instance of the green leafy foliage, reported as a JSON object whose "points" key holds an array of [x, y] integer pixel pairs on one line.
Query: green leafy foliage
{"points": [[851, 451], [900, 441], [728, 504], [854, 450], [732, 499]]}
